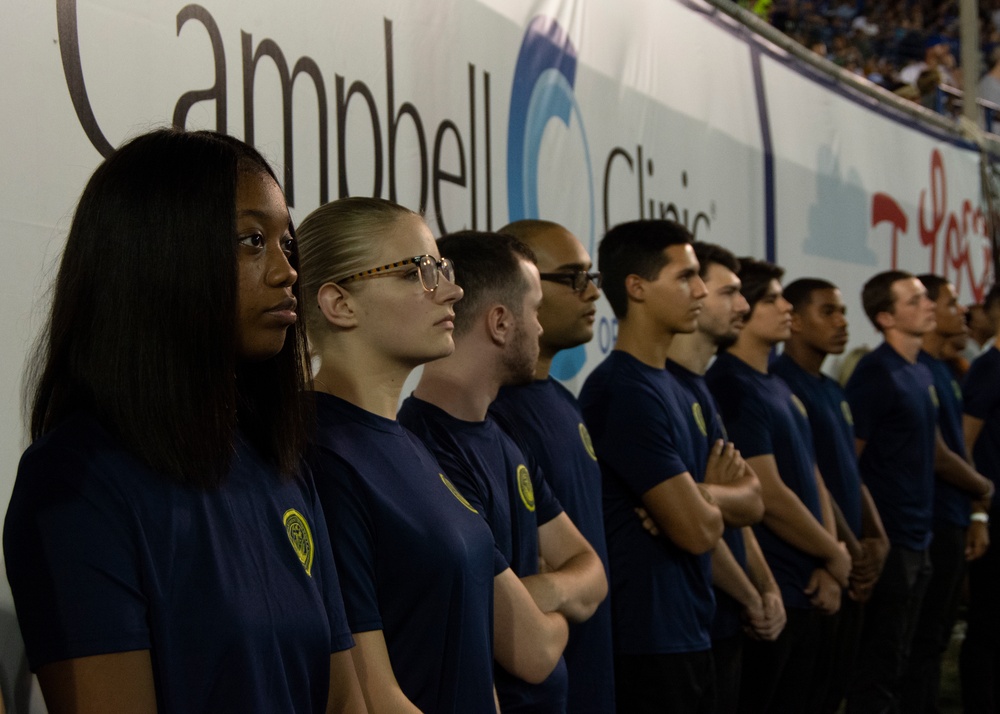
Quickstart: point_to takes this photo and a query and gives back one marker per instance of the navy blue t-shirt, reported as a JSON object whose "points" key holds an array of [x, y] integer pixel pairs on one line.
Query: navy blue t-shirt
{"points": [[895, 413], [416, 559], [661, 595], [233, 589], [833, 435], [764, 417], [544, 420], [700, 403], [982, 401], [492, 473], [952, 506]]}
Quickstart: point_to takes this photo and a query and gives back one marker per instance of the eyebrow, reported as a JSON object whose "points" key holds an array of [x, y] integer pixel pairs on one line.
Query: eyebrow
{"points": [[261, 215]]}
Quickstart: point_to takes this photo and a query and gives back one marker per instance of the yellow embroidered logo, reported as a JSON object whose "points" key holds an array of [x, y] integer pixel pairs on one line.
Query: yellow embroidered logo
{"points": [[699, 418], [456, 494], [300, 537], [934, 396], [587, 443], [956, 389], [524, 487], [845, 408], [800, 406]]}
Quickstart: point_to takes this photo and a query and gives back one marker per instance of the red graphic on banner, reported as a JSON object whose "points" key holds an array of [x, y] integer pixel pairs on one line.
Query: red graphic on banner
{"points": [[948, 233]]}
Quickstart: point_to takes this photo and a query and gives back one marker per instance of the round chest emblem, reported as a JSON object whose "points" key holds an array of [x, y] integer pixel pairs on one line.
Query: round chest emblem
{"points": [[456, 494], [588, 445], [300, 536], [524, 487], [699, 418]]}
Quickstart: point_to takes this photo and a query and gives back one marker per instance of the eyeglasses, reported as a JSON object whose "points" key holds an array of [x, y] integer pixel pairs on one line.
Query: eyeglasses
{"points": [[577, 280], [429, 268]]}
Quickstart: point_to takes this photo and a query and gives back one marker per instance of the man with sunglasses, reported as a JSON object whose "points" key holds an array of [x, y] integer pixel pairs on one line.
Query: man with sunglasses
{"points": [[496, 344], [544, 419]]}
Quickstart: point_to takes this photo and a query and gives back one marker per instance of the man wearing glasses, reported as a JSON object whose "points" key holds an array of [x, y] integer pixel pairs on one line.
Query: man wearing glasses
{"points": [[544, 419], [496, 344]]}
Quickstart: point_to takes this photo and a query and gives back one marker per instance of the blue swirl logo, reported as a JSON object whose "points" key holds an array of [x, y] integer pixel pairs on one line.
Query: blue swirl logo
{"points": [[543, 90]]}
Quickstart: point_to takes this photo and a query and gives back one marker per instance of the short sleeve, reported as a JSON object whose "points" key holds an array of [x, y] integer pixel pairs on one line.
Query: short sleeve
{"points": [[747, 421], [73, 560], [981, 390], [352, 537], [329, 580], [547, 506], [868, 397], [637, 442]]}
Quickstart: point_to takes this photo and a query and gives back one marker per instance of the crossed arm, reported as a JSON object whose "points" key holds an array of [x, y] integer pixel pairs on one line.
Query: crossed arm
{"points": [[789, 518], [574, 583]]}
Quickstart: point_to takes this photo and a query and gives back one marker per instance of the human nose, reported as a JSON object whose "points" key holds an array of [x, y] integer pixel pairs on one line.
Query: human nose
{"points": [[784, 305], [699, 290], [447, 292], [742, 306], [280, 272]]}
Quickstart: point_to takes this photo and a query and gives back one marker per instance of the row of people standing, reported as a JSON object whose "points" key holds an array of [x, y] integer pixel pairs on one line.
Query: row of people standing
{"points": [[870, 508], [173, 543], [168, 550]]}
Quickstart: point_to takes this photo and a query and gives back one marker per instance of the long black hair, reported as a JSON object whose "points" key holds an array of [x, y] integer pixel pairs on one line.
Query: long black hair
{"points": [[142, 330]]}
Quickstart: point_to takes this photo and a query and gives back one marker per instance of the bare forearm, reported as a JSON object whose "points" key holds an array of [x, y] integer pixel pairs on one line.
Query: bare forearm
{"points": [[526, 641], [740, 501], [844, 532], [826, 506], [953, 470], [575, 589], [871, 521], [788, 517], [728, 576], [757, 568]]}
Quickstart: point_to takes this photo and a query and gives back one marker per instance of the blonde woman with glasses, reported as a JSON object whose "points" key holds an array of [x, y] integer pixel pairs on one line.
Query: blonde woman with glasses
{"points": [[417, 562]]}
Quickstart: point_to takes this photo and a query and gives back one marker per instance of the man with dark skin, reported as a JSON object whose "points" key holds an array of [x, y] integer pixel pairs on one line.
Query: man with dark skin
{"points": [[819, 329], [798, 534], [543, 417]]}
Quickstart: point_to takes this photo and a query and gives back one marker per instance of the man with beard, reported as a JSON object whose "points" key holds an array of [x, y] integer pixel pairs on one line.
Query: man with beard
{"points": [[746, 593], [496, 344], [798, 533], [818, 329], [661, 600], [544, 419], [956, 537]]}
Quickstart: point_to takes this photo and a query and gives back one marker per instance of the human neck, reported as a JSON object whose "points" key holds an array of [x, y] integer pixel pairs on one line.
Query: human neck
{"points": [[692, 352], [464, 388], [808, 358], [544, 365], [907, 346], [645, 342], [375, 389], [753, 351], [933, 343]]}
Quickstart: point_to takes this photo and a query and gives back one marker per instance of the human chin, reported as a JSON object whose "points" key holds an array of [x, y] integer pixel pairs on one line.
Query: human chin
{"points": [[261, 347]]}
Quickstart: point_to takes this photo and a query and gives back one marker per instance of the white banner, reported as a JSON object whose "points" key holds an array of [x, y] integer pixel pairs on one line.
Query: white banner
{"points": [[587, 112]]}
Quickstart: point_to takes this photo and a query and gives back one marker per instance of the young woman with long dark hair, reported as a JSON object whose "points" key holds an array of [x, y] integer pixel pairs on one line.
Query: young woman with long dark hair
{"points": [[165, 551]]}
